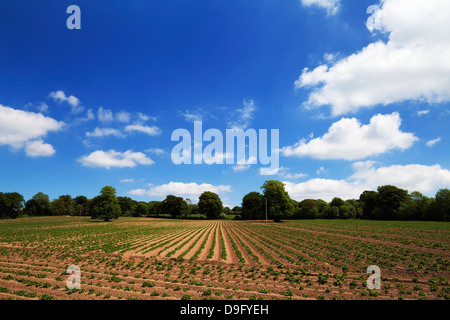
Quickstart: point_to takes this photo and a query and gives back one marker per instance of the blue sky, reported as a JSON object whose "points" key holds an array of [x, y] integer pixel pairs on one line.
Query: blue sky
{"points": [[358, 103]]}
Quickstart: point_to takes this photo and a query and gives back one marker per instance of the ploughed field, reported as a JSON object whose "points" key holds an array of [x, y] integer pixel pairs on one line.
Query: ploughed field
{"points": [[146, 258]]}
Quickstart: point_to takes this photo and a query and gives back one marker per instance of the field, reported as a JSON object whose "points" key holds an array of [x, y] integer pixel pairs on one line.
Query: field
{"points": [[147, 259]]}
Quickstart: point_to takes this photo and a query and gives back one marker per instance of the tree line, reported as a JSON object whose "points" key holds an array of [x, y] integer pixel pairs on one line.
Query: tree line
{"points": [[274, 203]]}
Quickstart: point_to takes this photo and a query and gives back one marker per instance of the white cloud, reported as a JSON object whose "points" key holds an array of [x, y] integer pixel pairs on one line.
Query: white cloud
{"points": [[103, 132], [433, 142], [143, 117], [43, 107], [243, 116], [38, 148], [112, 158], [156, 151], [152, 131], [127, 180], [18, 127], [423, 112], [241, 165], [295, 175], [191, 190], [412, 65], [332, 6], [321, 170], [195, 115], [59, 97], [137, 192], [123, 116], [105, 115], [325, 189], [412, 177], [348, 139]]}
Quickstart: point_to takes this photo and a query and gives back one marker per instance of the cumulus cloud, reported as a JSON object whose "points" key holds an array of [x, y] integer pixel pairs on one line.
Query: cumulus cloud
{"points": [[38, 148], [60, 97], [112, 158], [152, 131], [348, 139], [105, 115], [366, 176], [191, 189], [18, 127], [412, 64], [332, 6]]}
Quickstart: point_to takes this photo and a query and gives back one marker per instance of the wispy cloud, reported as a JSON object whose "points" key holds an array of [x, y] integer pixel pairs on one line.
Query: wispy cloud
{"points": [[433, 142], [152, 131], [243, 116], [60, 97]]}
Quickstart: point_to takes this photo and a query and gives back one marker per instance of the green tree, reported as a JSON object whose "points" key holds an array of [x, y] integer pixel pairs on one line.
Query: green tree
{"points": [[389, 201], [442, 204], [127, 205], [141, 209], [347, 210], [368, 200], [192, 209], [237, 210], [153, 208], [308, 209], [64, 205], [81, 205], [105, 206], [11, 204], [38, 205], [279, 204], [253, 206], [210, 205], [175, 206]]}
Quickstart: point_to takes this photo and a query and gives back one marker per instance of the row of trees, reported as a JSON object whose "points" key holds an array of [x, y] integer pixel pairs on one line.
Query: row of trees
{"points": [[387, 203], [107, 206]]}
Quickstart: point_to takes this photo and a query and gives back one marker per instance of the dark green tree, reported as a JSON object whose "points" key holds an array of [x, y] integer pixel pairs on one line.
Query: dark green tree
{"points": [[105, 206], [38, 205], [140, 210], [81, 205], [11, 204], [237, 210], [389, 201], [308, 209], [127, 205], [253, 206], [368, 200], [175, 206], [279, 204], [153, 208], [192, 209], [210, 205], [64, 205], [442, 204]]}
